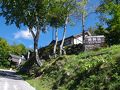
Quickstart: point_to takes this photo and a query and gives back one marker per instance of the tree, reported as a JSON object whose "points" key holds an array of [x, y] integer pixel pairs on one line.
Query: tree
{"points": [[83, 10], [82, 13], [69, 8], [110, 15], [18, 49], [4, 52], [31, 13], [63, 39], [56, 19], [59, 18]]}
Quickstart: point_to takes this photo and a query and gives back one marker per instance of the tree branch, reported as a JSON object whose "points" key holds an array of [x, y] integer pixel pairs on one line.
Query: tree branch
{"points": [[33, 34], [38, 32]]}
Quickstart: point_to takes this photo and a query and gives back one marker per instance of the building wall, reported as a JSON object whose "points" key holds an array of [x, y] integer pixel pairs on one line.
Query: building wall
{"points": [[92, 42], [89, 40], [78, 40], [68, 41], [94, 39]]}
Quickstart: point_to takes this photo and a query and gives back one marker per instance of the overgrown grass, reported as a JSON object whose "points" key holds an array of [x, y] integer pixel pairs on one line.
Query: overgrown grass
{"points": [[2, 67], [93, 70]]}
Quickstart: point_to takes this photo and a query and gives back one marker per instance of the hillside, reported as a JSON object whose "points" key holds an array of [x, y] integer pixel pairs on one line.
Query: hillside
{"points": [[91, 70]]}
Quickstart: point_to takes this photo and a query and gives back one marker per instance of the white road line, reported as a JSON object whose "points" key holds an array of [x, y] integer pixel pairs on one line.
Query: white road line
{"points": [[6, 85]]}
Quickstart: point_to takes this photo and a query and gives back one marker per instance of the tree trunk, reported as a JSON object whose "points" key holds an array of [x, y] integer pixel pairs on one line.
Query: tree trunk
{"points": [[36, 39], [39, 63], [63, 39], [56, 41], [83, 30]]}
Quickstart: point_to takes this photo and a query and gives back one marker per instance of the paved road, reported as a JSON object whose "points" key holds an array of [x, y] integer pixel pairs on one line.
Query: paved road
{"points": [[10, 81]]}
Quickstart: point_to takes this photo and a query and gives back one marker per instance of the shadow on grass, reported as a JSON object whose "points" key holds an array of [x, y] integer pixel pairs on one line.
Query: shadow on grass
{"points": [[77, 79]]}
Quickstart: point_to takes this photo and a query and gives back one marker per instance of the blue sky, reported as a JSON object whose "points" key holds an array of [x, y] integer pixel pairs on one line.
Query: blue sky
{"points": [[22, 35]]}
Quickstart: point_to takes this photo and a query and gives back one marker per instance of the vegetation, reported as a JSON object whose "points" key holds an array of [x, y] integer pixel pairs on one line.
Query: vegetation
{"points": [[93, 70], [110, 16], [39, 15], [19, 49], [32, 14], [6, 49]]}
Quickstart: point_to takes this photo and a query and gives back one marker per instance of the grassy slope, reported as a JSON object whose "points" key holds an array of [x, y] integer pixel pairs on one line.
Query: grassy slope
{"points": [[93, 70]]}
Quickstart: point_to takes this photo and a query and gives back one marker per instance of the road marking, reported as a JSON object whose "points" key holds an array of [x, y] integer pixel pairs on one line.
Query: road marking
{"points": [[6, 85]]}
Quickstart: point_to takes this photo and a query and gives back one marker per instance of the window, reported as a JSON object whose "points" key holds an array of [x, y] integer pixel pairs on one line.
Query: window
{"points": [[67, 42], [94, 39], [99, 40]]}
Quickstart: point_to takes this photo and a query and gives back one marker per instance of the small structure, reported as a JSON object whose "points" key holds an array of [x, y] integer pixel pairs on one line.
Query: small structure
{"points": [[92, 42], [16, 59]]}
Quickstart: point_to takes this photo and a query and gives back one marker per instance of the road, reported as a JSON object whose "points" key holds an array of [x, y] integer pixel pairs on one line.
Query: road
{"points": [[10, 81]]}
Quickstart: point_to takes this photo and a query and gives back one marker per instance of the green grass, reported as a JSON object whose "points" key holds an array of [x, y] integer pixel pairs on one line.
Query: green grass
{"points": [[3, 67], [91, 70]]}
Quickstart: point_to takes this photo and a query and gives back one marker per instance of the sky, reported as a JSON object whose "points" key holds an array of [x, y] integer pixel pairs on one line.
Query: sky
{"points": [[22, 36]]}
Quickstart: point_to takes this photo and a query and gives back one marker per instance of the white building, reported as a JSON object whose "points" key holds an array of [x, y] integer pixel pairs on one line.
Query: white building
{"points": [[78, 39]]}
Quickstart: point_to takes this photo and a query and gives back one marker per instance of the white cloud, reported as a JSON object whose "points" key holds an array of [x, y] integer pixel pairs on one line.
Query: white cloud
{"points": [[24, 34]]}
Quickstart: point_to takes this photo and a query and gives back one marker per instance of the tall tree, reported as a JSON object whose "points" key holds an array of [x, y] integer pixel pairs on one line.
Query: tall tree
{"points": [[82, 14], [110, 15], [4, 52], [31, 13], [56, 19], [18, 49], [56, 42], [83, 9], [63, 39], [68, 10]]}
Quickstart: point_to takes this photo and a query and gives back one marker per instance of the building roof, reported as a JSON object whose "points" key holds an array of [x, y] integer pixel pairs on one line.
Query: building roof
{"points": [[78, 35], [96, 36], [73, 36], [15, 56]]}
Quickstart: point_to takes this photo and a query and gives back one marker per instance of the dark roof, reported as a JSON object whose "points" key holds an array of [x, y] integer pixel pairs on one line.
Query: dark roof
{"points": [[15, 56], [73, 36], [53, 41], [86, 32]]}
